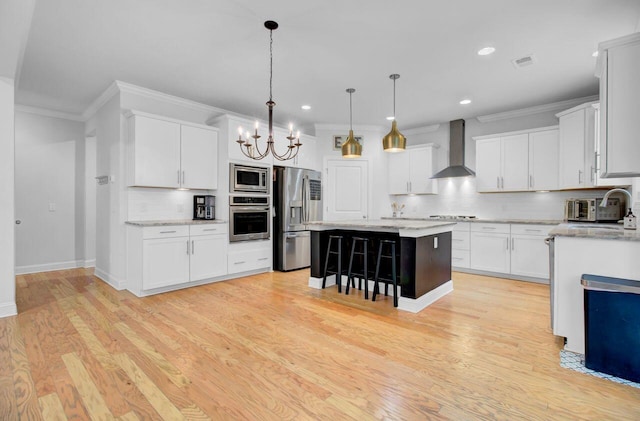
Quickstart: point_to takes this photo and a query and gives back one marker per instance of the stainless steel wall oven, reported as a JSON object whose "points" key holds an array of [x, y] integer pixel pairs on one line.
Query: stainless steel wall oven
{"points": [[249, 218]]}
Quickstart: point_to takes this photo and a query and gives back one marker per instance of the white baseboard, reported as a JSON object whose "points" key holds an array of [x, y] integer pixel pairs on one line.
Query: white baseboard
{"points": [[90, 263], [110, 279], [8, 309], [422, 302], [48, 267]]}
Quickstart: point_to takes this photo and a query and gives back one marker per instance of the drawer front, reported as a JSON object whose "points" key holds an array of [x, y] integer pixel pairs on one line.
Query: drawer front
{"points": [[208, 229], [165, 231], [461, 226], [460, 258], [531, 229], [460, 240], [243, 261], [490, 227]]}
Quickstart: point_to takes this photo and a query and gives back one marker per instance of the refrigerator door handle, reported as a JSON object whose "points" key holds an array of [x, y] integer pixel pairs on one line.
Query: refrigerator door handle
{"points": [[305, 200]]}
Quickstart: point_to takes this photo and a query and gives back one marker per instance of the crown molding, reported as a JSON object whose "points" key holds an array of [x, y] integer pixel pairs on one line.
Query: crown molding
{"points": [[49, 113], [345, 127], [123, 87], [554, 106]]}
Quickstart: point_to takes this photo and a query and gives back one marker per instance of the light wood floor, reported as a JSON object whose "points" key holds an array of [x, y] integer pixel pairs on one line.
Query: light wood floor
{"points": [[269, 347]]}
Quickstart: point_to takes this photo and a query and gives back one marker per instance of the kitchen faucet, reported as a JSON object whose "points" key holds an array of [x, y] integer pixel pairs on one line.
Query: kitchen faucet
{"points": [[629, 218]]}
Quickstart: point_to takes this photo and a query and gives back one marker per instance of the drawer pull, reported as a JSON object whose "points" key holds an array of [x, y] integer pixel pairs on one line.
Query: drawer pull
{"points": [[167, 232], [263, 258], [457, 258], [532, 230], [488, 228], [240, 263], [211, 229], [456, 239]]}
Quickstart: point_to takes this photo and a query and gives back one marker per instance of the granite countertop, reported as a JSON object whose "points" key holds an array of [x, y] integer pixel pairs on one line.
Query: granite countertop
{"points": [[598, 231], [175, 222], [378, 224], [497, 221]]}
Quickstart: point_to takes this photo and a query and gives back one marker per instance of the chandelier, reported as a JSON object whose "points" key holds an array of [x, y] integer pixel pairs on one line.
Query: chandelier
{"points": [[253, 150]]}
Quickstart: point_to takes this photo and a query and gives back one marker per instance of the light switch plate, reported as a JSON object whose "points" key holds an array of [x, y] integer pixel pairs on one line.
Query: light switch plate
{"points": [[52, 207]]}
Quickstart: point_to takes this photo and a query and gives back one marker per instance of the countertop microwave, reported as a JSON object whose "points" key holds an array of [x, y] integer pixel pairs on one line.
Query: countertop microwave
{"points": [[248, 179], [589, 210]]}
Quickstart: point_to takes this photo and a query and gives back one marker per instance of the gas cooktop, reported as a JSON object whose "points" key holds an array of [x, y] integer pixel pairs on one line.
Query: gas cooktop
{"points": [[453, 217]]}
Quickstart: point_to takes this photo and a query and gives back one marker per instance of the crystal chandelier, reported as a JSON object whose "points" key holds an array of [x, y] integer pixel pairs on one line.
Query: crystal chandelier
{"points": [[253, 150]]}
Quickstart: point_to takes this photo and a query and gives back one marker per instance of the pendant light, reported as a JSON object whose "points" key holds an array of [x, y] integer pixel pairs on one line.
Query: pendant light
{"points": [[394, 141], [254, 151], [351, 148]]}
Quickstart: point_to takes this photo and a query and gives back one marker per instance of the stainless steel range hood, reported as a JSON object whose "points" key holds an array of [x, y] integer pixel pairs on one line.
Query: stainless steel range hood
{"points": [[456, 166]]}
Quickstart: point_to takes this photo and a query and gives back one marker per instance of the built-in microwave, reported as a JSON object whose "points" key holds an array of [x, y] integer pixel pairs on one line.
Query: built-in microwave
{"points": [[246, 179]]}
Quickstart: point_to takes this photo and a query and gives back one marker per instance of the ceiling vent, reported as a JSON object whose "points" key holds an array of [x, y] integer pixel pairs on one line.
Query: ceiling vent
{"points": [[525, 61]]}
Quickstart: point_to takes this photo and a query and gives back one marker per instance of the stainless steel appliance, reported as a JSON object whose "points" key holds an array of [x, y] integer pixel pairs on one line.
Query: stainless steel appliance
{"points": [[297, 195], [204, 207], [249, 218], [246, 179], [589, 210]]}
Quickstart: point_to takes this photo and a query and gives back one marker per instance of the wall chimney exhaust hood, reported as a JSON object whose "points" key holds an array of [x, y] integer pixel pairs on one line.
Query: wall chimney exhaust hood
{"points": [[456, 166]]}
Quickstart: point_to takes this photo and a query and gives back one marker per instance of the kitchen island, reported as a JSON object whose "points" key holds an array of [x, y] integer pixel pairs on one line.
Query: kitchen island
{"points": [[423, 255]]}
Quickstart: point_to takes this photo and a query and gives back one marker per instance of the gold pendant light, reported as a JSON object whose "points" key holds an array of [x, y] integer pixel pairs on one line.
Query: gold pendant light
{"points": [[394, 141], [351, 148]]}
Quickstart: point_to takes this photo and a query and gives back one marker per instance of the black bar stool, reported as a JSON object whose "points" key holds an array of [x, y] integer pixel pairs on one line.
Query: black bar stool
{"points": [[389, 244], [338, 253], [362, 267]]}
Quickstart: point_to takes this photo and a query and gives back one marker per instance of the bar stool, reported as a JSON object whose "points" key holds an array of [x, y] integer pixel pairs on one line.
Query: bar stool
{"points": [[363, 270], [393, 280], [338, 253]]}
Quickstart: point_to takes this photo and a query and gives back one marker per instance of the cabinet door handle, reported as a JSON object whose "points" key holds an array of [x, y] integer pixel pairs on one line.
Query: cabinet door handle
{"points": [[532, 230], [488, 228], [182, 177], [530, 181], [193, 247], [263, 258], [579, 176], [513, 244], [187, 246], [178, 177], [502, 182], [593, 173], [240, 263], [210, 229], [497, 182], [167, 232]]}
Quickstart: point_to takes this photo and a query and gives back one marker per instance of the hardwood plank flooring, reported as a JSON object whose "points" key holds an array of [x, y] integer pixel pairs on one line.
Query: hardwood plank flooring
{"points": [[268, 347]]}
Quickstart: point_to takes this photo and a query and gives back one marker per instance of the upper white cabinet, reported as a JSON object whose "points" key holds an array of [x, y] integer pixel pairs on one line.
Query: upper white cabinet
{"points": [[410, 171], [162, 152], [618, 68], [577, 150], [517, 161]]}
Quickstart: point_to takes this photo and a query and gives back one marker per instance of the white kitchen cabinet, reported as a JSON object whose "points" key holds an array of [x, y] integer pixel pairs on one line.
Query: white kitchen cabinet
{"points": [[162, 152], [489, 247], [502, 163], [600, 181], [163, 258], [577, 151], [529, 253], [543, 160], [208, 252], [410, 171], [517, 161], [460, 242], [618, 68], [250, 256]]}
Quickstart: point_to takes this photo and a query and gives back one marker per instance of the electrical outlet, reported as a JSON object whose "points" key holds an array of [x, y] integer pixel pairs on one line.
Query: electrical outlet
{"points": [[52, 207]]}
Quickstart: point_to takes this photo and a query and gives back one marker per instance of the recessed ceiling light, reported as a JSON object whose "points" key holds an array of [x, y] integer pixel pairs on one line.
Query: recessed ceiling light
{"points": [[465, 102], [390, 118], [595, 54], [306, 107], [486, 51]]}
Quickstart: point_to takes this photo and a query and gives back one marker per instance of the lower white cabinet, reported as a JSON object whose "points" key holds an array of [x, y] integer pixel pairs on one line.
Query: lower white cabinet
{"points": [[174, 255], [460, 245], [490, 247], [249, 256], [510, 249]]}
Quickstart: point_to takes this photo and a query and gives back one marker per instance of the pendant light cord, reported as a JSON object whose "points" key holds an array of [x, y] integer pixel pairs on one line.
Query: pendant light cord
{"points": [[350, 112], [271, 65], [394, 99]]}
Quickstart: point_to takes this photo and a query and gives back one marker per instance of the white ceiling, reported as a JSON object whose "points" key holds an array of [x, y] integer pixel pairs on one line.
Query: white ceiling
{"points": [[217, 52]]}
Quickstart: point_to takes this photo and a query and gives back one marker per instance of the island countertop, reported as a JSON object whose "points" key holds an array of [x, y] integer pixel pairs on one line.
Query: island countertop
{"points": [[404, 227], [595, 231]]}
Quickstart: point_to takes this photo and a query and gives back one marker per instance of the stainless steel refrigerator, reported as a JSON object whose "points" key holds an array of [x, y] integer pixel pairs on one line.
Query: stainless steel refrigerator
{"points": [[297, 198]]}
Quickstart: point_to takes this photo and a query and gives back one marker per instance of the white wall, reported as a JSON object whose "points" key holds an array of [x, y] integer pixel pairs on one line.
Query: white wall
{"points": [[90, 202], [7, 224], [49, 188]]}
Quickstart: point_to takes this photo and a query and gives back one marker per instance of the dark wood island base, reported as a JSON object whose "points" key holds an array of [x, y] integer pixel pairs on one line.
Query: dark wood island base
{"points": [[423, 256]]}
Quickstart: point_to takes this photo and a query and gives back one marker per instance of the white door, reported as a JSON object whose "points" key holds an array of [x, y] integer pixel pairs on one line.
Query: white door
{"points": [[488, 165], [490, 252], [543, 160], [166, 262], [208, 256], [199, 158], [529, 256], [345, 189], [515, 162]]}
